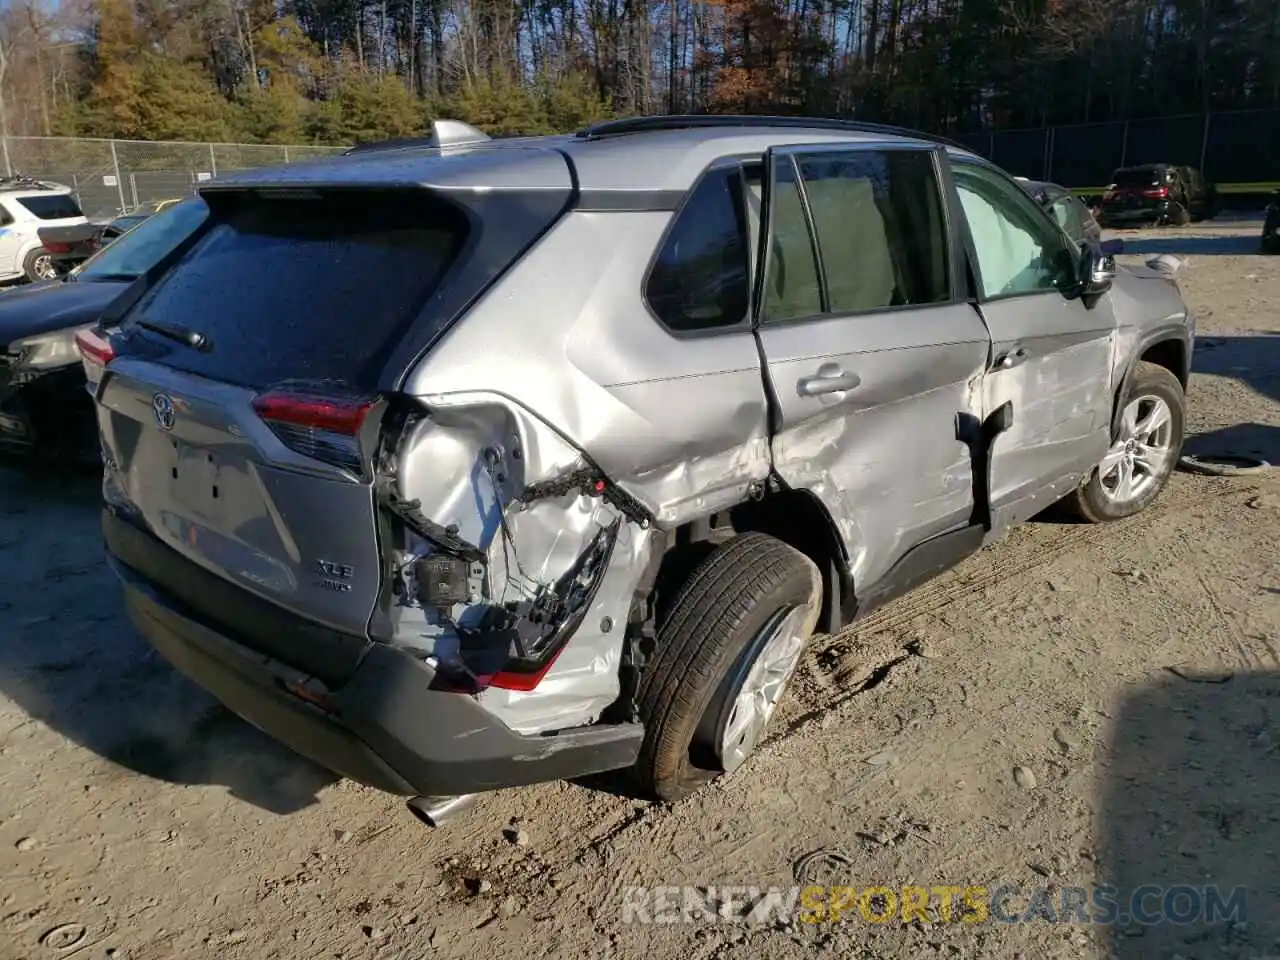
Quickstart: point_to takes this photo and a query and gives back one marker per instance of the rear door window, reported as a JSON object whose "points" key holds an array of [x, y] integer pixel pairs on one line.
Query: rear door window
{"points": [[315, 286], [52, 206], [880, 228], [792, 290]]}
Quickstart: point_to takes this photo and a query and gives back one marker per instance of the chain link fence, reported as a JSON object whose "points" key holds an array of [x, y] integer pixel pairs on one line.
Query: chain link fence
{"points": [[118, 176], [1237, 149]]}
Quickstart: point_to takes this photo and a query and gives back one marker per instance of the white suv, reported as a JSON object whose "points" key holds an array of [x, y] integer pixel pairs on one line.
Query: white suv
{"points": [[25, 206]]}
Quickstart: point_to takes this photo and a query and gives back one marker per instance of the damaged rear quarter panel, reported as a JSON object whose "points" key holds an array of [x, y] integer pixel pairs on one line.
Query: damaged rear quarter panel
{"points": [[563, 362], [680, 423]]}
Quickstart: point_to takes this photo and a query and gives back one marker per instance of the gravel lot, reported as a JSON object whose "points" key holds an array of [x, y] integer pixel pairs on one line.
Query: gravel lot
{"points": [[139, 820]]}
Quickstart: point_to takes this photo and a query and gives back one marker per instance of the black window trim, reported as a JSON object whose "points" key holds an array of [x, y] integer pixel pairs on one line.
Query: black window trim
{"points": [[977, 295], [730, 162], [954, 257]]}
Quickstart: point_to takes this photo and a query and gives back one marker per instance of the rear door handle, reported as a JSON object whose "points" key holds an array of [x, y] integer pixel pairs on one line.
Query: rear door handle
{"points": [[829, 379], [1011, 359]]}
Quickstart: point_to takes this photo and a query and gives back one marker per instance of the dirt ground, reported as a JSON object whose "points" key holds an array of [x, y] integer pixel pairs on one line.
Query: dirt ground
{"points": [[140, 820]]}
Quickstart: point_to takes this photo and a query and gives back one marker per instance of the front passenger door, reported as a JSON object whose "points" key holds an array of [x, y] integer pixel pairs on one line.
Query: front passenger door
{"points": [[1051, 352]]}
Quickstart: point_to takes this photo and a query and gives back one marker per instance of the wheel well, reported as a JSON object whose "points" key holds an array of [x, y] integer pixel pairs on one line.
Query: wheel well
{"points": [[1170, 354], [795, 517]]}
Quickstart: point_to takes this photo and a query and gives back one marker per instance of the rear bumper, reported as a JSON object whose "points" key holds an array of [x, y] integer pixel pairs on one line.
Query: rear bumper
{"points": [[1142, 215], [389, 729]]}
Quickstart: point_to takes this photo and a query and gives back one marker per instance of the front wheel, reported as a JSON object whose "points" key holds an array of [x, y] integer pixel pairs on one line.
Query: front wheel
{"points": [[725, 653], [1143, 453]]}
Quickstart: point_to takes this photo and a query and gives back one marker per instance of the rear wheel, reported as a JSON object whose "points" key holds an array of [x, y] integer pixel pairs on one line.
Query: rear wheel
{"points": [[725, 653], [38, 265], [1143, 453]]}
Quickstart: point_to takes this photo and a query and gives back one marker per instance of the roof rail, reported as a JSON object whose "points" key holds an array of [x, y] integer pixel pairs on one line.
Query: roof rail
{"points": [[611, 128], [18, 181], [444, 133]]}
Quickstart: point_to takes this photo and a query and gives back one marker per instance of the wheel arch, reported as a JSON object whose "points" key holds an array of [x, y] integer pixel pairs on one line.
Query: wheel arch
{"points": [[797, 518], [1167, 347]]}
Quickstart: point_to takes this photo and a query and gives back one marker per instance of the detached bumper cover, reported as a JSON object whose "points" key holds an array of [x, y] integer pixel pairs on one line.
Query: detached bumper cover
{"points": [[390, 730]]}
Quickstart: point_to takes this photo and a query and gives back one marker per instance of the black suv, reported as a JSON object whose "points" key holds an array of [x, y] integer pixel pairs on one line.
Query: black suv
{"points": [[1156, 193]]}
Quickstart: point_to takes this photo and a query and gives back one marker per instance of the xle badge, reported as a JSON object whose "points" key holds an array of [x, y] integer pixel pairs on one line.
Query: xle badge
{"points": [[334, 576]]}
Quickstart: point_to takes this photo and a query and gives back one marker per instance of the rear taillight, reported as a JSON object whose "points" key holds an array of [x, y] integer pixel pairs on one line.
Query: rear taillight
{"points": [[325, 428], [57, 247], [523, 682], [1156, 193], [95, 353]]}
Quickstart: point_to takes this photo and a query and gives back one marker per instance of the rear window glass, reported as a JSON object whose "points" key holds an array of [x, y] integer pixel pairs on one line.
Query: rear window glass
{"points": [[1138, 178], [319, 287], [54, 206]]}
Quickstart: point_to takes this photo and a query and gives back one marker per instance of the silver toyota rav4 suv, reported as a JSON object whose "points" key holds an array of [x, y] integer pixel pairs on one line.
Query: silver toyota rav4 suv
{"points": [[466, 464]]}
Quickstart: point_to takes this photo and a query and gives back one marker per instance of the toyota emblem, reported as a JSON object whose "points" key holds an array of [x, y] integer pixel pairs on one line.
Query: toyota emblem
{"points": [[162, 407]]}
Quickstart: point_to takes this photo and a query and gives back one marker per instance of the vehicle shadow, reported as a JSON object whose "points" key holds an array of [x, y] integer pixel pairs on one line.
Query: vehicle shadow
{"points": [[1181, 245], [71, 659], [1189, 818], [1253, 360]]}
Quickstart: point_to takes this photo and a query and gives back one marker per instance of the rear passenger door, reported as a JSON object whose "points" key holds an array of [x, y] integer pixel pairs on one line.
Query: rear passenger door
{"points": [[1051, 351], [874, 358]]}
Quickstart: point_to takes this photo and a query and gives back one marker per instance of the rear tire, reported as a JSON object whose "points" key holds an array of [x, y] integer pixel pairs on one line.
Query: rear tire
{"points": [[1101, 499], [1178, 215], [38, 265], [751, 595]]}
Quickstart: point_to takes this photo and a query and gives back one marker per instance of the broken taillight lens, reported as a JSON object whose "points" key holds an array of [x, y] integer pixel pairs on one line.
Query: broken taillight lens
{"points": [[322, 427]]}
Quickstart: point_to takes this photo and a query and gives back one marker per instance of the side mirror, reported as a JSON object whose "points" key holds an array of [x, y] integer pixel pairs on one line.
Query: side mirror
{"points": [[1097, 271]]}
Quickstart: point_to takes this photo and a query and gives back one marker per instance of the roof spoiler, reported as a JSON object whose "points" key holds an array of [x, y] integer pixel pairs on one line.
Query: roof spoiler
{"points": [[444, 133]]}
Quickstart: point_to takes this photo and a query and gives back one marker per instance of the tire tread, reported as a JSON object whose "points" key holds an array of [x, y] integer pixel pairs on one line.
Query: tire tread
{"points": [[693, 644]]}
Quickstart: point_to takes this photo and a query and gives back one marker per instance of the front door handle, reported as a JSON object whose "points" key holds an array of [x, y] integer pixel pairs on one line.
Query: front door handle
{"points": [[829, 379], [1011, 359]]}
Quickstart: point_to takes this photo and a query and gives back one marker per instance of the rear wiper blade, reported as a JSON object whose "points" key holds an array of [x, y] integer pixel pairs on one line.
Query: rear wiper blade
{"points": [[179, 334]]}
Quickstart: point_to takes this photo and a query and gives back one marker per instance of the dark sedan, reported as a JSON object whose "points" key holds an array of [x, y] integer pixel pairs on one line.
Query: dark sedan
{"points": [[44, 408]]}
